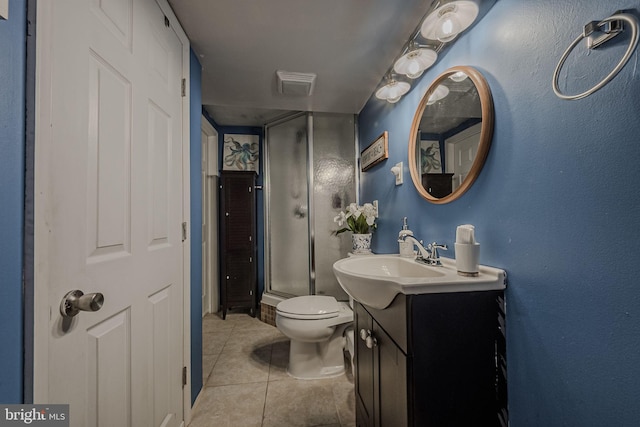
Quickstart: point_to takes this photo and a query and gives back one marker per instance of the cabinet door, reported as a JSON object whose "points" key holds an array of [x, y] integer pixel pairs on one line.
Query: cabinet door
{"points": [[238, 239], [391, 398], [381, 376], [364, 369]]}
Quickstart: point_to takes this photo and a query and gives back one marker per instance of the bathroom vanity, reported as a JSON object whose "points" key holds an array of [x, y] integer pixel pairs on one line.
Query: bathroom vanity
{"points": [[434, 359]]}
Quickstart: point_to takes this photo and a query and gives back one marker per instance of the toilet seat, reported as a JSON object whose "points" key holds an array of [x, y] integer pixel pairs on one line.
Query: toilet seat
{"points": [[309, 307]]}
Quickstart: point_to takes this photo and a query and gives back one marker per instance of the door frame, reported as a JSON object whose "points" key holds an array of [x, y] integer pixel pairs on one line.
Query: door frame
{"points": [[42, 138], [210, 161]]}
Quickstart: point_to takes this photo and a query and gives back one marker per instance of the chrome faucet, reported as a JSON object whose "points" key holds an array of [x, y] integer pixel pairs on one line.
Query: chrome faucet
{"points": [[428, 255]]}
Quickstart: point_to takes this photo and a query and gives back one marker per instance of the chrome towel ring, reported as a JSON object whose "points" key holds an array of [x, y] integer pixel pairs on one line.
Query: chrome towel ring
{"points": [[611, 21]]}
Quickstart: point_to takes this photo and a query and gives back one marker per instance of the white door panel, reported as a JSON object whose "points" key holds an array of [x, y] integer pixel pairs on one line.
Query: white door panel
{"points": [[110, 192], [461, 152]]}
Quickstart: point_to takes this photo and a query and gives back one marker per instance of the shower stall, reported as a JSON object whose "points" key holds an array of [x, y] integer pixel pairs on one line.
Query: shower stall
{"points": [[310, 176]]}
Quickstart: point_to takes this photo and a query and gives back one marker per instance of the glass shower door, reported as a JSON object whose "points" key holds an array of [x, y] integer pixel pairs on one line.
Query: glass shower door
{"points": [[287, 230], [310, 178], [334, 188]]}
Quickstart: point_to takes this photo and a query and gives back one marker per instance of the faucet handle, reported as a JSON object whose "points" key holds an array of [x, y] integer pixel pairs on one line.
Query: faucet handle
{"points": [[435, 246], [434, 257]]}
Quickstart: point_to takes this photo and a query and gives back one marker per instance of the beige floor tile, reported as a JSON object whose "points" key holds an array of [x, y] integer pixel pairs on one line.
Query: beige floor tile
{"points": [[234, 368], [249, 323], [214, 323], [208, 362], [234, 316], [247, 341], [240, 354], [279, 360], [344, 398], [231, 406], [214, 342], [298, 403]]}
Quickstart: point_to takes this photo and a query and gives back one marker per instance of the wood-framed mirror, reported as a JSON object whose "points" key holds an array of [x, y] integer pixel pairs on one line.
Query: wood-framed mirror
{"points": [[451, 134]]}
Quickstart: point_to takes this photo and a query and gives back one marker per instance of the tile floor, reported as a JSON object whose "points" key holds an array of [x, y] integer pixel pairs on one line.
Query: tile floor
{"points": [[246, 383]]}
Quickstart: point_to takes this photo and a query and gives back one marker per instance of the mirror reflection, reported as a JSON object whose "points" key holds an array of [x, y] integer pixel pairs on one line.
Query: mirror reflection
{"points": [[451, 134]]}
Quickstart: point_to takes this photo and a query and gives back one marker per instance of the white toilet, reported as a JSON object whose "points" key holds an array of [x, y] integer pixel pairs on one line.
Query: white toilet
{"points": [[316, 325]]}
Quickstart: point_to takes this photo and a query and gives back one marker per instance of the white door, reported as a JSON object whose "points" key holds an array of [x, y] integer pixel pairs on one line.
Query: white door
{"points": [[109, 211], [461, 152]]}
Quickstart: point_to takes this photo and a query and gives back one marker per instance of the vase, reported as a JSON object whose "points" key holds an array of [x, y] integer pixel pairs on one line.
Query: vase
{"points": [[361, 243]]}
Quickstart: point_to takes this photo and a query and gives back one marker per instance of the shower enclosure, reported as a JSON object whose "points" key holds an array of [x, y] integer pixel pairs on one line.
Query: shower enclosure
{"points": [[310, 176]]}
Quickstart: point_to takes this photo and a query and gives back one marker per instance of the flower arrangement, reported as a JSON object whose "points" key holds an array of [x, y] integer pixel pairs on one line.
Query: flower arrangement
{"points": [[358, 219]]}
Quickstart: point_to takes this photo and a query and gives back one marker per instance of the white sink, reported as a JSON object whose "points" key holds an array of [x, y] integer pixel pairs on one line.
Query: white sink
{"points": [[375, 280]]}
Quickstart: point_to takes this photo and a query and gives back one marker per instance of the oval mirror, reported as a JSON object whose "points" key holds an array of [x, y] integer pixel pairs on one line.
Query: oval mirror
{"points": [[451, 134]]}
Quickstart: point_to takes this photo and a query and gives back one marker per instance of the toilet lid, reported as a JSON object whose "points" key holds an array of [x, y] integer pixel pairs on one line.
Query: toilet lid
{"points": [[311, 306]]}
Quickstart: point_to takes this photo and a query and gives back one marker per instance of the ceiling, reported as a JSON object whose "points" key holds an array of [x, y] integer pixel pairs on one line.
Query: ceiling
{"points": [[348, 44]]}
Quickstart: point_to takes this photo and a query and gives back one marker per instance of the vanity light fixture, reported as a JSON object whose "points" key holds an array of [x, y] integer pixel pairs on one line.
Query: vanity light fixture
{"points": [[449, 20], [441, 92], [393, 90], [439, 26], [415, 61]]}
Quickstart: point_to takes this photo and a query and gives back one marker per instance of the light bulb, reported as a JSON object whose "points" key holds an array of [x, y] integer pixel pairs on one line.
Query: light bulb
{"points": [[393, 91], [413, 63], [440, 92], [448, 27], [413, 68], [449, 20], [458, 77]]}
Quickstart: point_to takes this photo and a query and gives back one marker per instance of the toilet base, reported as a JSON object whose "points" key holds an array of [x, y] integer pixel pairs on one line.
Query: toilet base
{"points": [[312, 361]]}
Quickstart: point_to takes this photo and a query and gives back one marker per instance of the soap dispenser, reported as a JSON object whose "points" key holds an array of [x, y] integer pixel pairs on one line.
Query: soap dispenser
{"points": [[405, 248]]}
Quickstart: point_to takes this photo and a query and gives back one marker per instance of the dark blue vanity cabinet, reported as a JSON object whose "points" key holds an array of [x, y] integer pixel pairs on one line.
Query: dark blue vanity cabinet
{"points": [[432, 360]]}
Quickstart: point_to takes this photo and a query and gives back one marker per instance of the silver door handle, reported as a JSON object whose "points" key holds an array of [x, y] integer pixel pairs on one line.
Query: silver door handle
{"points": [[76, 301]]}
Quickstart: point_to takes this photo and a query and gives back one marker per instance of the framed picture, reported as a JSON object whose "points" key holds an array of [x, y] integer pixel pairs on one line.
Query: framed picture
{"points": [[430, 157], [376, 152], [241, 153]]}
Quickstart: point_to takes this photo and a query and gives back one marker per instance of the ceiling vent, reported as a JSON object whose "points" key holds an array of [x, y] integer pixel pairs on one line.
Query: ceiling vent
{"points": [[295, 84]]}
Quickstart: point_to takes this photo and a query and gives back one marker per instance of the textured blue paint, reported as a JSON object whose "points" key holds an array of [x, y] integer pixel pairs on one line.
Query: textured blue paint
{"points": [[12, 137], [556, 205], [195, 93]]}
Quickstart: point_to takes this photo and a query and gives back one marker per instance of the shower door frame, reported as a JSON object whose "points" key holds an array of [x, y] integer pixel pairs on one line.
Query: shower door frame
{"points": [[310, 205]]}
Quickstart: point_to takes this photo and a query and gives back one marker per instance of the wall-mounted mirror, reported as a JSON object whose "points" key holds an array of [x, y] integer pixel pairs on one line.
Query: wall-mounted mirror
{"points": [[451, 134]]}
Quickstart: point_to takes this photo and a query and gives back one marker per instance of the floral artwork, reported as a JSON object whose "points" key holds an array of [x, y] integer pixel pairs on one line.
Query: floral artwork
{"points": [[241, 152], [430, 157]]}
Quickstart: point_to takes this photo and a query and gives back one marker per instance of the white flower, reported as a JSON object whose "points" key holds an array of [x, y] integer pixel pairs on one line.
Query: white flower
{"points": [[358, 219], [353, 210]]}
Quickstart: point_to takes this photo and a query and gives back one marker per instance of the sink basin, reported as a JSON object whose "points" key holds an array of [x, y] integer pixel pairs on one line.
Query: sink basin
{"points": [[375, 280]]}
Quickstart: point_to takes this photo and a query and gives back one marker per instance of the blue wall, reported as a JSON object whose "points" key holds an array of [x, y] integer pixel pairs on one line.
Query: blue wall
{"points": [[556, 206], [12, 141], [195, 92]]}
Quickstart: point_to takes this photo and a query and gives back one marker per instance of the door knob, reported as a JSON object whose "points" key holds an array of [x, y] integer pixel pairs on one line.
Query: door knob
{"points": [[371, 341], [76, 301], [368, 338]]}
